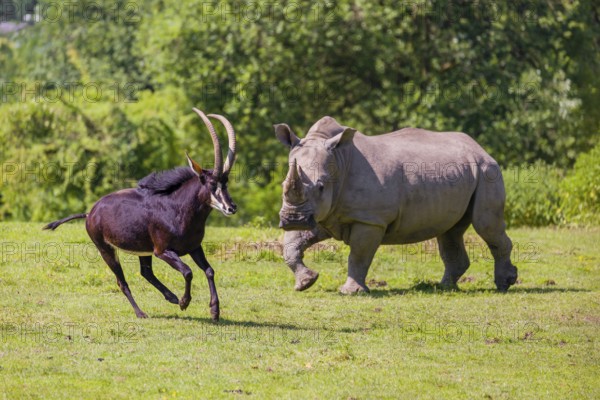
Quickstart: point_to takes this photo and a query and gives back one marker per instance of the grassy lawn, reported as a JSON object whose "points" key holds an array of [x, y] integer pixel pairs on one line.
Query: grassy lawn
{"points": [[66, 330]]}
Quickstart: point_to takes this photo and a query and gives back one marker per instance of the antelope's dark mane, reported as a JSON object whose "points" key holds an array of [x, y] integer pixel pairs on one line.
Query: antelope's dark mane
{"points": [[166, 182]]}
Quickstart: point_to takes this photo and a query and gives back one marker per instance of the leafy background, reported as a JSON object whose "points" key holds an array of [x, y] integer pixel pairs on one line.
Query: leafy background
{"points": [[96, 95]]}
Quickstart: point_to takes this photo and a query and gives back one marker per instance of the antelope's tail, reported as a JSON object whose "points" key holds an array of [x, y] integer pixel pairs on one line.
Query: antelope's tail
{"points": [[53, 225]]}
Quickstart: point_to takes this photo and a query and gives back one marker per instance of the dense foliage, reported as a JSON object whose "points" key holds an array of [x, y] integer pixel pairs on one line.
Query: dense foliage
{"points": [[533, 195], [581, 189], [91, 88]]}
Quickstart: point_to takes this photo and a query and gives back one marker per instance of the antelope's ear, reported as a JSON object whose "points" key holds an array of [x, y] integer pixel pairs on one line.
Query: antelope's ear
{"points": [[194, 165], [285, 135]]}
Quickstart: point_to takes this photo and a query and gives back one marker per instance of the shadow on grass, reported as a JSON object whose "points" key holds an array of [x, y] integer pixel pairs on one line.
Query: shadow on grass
{"points": [[436, 287], [223, 322]]}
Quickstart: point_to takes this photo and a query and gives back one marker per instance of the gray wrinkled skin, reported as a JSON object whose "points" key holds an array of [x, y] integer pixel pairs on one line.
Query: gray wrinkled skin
{"points": [[402, 187]]}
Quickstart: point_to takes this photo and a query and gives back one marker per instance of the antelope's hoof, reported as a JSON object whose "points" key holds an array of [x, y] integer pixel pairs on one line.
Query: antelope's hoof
{"points": [[171, 298], [184, 303], [141, 314]]}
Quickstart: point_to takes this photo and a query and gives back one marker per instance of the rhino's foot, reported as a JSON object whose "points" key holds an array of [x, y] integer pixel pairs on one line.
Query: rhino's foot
{"points": [[505, 281], [448, 285], [449, 282], [305, 279], [353, 287]]}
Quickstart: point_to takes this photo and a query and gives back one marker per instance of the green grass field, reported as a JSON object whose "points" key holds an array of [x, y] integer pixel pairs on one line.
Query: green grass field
{"points": [[66, 330]]}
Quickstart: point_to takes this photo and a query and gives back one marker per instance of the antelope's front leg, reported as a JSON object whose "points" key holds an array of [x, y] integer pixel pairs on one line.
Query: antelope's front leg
{"points": [[200, 259], [171, 258]]}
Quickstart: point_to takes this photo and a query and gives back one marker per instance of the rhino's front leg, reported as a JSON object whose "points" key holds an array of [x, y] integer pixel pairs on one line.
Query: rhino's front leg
{"points": [[294, 244], [364, 241]]}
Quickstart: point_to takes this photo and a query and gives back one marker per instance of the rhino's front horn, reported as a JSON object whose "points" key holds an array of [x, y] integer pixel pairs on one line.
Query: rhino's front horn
{"points": [[293, 190]]}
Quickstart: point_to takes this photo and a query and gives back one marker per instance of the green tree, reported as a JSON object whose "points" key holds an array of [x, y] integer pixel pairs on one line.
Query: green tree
{"points": [[521, 77]]}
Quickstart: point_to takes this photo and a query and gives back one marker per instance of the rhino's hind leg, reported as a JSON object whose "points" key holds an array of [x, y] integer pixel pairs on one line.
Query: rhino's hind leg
{"points": [[294, 245], [364, 241], [505, 273], [452, 250], [488, 221]]}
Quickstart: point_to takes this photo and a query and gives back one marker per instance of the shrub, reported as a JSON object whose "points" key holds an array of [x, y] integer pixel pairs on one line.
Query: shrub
{"points": [[532, 195], [57, 159], [580, 191]]}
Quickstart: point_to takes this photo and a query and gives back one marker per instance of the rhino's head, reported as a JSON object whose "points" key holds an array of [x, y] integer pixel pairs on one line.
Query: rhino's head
{"points": [[308, 189]]}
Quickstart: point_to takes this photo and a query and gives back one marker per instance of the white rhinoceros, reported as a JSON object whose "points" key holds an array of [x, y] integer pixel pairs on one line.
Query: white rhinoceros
{"points": [[402, 187]]}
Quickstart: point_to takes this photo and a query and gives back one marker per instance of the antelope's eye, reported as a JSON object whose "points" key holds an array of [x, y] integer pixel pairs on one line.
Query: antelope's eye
{"points": [[320, 186]]}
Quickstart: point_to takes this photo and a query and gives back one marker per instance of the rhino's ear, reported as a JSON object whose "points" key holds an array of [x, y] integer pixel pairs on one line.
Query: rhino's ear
{"points": [[285, 135], [339, 139]]}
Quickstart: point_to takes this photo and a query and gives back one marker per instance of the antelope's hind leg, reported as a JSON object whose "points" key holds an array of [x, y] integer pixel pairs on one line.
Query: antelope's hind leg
{"points": [[171, 258], [110, 257], [148, 273]]}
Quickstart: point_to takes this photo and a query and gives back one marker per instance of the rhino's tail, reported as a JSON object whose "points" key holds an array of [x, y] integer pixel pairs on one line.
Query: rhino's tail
{"points": [[53, 225]]}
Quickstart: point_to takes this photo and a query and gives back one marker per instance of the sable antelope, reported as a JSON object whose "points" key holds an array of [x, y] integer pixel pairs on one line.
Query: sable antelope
{"points": [[165, 216]]}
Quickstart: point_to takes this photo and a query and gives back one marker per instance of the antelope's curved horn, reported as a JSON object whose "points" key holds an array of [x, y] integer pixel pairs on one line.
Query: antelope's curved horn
{"points": [[231, 135], [218, 170]]}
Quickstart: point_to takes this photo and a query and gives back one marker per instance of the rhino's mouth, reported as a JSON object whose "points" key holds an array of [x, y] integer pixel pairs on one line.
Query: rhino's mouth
{"points": [[297, 217], [294, 223]]}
